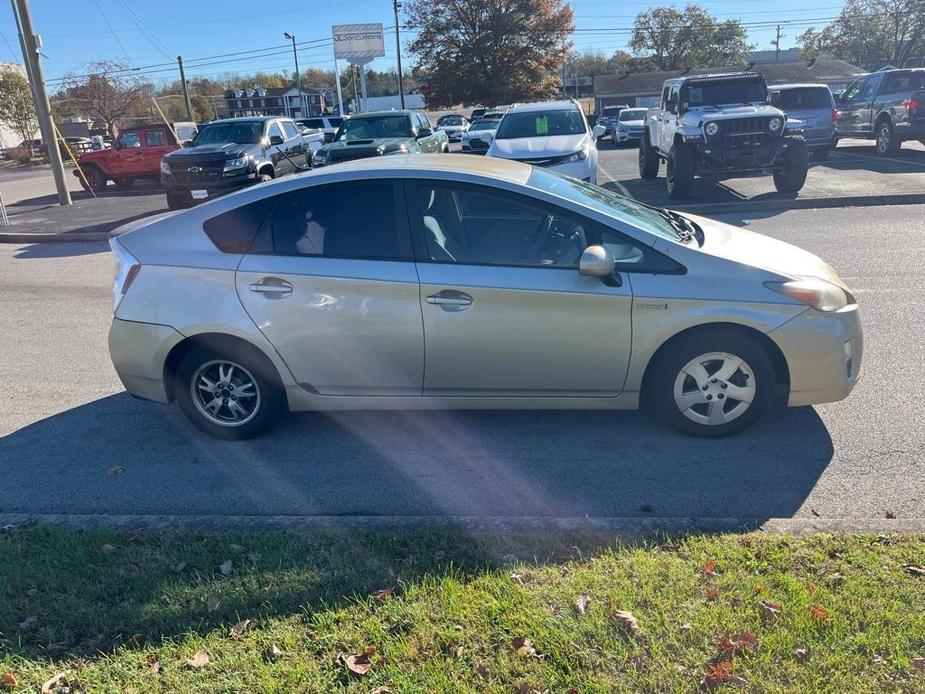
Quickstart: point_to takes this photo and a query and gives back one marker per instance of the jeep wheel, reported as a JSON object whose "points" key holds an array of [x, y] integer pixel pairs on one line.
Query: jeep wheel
{"points": [[124, 182], [680, 171], [790, 174], [887, 142], [648, 159], [96, 179]]}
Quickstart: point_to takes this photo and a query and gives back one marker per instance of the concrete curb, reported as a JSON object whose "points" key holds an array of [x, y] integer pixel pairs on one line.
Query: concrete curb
{"points": [[633, 527]]}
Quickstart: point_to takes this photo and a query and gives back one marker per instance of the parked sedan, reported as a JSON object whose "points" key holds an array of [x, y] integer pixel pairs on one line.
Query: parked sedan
{"points": [[627, 128], [814, 106], [529, 289], [382, 133], [479, 136]]}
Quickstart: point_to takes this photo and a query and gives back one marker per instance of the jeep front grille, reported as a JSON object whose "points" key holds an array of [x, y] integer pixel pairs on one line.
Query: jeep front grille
{"points": [[744, 131]]}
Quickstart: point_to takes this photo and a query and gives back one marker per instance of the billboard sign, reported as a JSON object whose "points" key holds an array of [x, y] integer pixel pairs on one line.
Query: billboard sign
{"points": [[358, 43]]}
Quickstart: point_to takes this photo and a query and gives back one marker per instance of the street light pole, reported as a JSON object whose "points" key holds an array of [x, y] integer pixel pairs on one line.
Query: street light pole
{"points": [[189, 107], [298, 77], [401, 89]]}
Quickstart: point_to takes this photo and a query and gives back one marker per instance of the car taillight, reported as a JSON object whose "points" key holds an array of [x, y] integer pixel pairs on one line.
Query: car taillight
{"points": [[127, 269], [912, 106], [835, 116]]}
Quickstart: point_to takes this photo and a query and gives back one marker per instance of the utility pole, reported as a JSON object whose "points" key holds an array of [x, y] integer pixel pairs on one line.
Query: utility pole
{"points": [[30, 43], [401, 89], [189, 106], [777, 45], [298, 76]]}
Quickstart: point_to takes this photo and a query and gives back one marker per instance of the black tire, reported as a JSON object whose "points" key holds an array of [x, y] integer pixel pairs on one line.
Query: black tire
{"points": [[262, 410], [445, 149], [264, 177], [95, 178], [821, 153], [886, 142], [667, 373], [790, 173], [680, 171], [176, 201], [124, 182], [648, 159]]}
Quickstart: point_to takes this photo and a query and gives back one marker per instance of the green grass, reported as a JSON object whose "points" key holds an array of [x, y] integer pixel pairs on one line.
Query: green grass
{"points": [[114, 615]]}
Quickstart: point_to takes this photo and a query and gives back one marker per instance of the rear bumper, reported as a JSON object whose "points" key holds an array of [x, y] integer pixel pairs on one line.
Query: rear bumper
{"points": [[138, 352], [911, 130], [823, 353]]}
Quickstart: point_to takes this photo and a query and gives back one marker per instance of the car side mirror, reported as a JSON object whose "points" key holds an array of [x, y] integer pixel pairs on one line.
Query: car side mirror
{"points": [[328, 137], [598, 131], [596, 261], [424, 132], [276, 140]]}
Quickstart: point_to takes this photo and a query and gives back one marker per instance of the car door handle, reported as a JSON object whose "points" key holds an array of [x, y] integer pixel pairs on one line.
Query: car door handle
{"points": [[450, 300], [271, 285]]}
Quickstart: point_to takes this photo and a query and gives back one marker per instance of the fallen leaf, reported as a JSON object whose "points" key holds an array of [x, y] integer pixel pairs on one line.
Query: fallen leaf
{"points": [[49, 684], [685, 627], [239, 628], [913, 570], [117, 470], [834, 554], [638, 662], [179, 567], [523, 646], [225, 568], [801, 654], [199, 660], [358, 664], [890, 514], [8, 681], [382, 594], [79, 665], [818, 613], [770, 611], [709, 569], [527, 688], [29, 623], [384, 689], [719, 673], [582, 604], [482, 671], [626, 621], [668, 547], [154, 667], [712, 593], [272, 653], [212, 603], [919, 664], [520, 579]]}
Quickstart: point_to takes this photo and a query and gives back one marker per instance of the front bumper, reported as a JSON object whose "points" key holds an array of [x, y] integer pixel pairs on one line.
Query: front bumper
{"points": [[622, 136], [823, 353], [138, 352], [214, 187]]}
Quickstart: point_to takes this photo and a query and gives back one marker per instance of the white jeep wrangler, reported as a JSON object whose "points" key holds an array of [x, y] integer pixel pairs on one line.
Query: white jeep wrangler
{"points": [[721, 126]]}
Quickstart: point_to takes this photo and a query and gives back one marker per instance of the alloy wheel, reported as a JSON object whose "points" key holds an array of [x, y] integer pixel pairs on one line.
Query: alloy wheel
{"points": [[883, 139], [714, 388], [225, 393]]}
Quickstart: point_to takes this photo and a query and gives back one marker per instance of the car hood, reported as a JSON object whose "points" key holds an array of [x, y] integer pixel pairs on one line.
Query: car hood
{"points": [[632, 123], [216, 151], [762, 252], [729, 112], [551, 146], [384, 143]]}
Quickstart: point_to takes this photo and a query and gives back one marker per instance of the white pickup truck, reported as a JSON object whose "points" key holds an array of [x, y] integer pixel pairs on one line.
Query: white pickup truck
{"points": [[721, 126]]}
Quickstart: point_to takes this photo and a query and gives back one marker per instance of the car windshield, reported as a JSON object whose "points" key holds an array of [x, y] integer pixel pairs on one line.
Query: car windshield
{"points": [[374, 128], [484, 125], [633, 114], [450, 120], [723, 92], [807, 97], [545, 123], [220, 133], [603, 200]]}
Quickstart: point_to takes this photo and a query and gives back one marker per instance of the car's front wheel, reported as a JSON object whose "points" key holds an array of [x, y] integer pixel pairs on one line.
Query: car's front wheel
{"points": [[648, 159], [712, 384], [228, 394], [680, 171], [790, 174]]}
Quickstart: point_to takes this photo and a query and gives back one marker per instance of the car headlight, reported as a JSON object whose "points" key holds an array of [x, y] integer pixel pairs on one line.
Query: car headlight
{"points": [[234, 164], [165, 167], [775, 124], [577, 156], [711, 128], [815, 292]]}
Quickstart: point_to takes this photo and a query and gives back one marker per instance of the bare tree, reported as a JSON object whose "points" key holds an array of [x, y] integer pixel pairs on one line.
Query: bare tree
{"points": [[110, 92]]}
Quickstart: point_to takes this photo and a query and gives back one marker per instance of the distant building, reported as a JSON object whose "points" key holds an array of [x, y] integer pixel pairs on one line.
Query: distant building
{"points": [[644, 88], [276, 101], [788, 55], [387, 103]]}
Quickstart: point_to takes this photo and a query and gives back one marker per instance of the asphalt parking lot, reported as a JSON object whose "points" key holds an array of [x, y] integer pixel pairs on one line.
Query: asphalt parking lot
{"points": [[72, 442]]}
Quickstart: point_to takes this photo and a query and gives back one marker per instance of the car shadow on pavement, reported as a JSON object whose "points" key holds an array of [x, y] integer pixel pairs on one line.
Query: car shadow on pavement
{"points": [[61, 250], [854, 157], [413, 463]]}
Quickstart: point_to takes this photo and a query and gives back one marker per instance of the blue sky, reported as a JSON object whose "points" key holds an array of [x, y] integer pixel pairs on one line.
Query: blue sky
{"points": [[151, 34]]}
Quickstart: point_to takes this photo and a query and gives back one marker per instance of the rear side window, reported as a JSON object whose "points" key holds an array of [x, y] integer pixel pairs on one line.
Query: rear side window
{"points": [[809, 97], [335, 122], [155, 138], [904, 82], [290, 129], [234, 231], [313, 123], [359, 220]]}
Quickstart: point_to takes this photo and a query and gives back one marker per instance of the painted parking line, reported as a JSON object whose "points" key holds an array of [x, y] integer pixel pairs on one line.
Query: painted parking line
{"points": [[610, 179], [845, 157]]}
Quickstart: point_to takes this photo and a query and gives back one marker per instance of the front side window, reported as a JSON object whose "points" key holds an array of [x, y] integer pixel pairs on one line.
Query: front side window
{"points": [[545, 123], [339, 221], [130, 141], [313, 123], [904, 82], [248, 132], [483, 226], [274, 131], [155, 138]]}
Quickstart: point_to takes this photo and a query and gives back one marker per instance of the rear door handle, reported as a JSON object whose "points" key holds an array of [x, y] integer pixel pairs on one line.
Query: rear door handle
{"points": [[450, 300], [271, 285]]}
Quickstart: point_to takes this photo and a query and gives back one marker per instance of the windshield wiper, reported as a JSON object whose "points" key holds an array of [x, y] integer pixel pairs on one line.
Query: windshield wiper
{"points": [[678, 223]]}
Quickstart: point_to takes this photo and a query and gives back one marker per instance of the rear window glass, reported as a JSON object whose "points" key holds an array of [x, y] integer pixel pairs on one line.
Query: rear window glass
{"points": [[810, 97], [904, 82], [234, 231]]}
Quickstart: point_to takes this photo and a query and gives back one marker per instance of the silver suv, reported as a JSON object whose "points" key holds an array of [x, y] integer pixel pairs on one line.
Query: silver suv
{"points": [[721, 126], [814, 106]]}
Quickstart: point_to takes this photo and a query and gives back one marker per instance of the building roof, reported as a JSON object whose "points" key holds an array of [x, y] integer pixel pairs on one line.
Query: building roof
{"points": [[822, 70]]}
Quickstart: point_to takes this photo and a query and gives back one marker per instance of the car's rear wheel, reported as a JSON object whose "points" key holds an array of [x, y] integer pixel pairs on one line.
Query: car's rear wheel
{"points": [[95, 179], [712, 384], [790, 174], [680, 171], [227, 393], [648, 159], [887, 143]]}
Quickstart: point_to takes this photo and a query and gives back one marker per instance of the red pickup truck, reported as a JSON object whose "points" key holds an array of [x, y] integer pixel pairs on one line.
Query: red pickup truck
{"points": [[137, 153]]}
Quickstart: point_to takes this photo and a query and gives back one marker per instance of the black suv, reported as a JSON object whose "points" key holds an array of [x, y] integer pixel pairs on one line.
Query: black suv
{"points": [[886, 106], [229, 154]]}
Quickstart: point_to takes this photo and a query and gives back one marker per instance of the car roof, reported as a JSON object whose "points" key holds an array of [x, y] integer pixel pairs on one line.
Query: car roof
{"points": [[797, 85], [397, 164], [246, 119], [713, 76], [376, 114], [558, 105]]}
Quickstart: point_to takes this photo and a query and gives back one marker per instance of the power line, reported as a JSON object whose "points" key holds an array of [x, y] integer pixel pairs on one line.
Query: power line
{"points": [[114, 35]]}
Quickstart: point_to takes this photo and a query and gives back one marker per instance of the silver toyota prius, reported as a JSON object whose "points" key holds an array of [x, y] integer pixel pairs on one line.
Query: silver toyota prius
{"points": [[461, 282]]}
